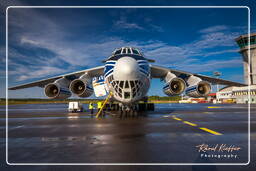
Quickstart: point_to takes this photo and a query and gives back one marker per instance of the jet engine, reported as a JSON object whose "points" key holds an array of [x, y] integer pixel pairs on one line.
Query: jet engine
{"points": [[197, 87], [174, 85], [82, 86], [58, 89]]}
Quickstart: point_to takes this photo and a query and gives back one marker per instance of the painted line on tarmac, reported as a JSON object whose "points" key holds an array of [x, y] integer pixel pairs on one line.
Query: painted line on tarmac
{"points": [[213, 107], [16, 127], [195, 125], [189, 123], [178, 119], [210, 131]]}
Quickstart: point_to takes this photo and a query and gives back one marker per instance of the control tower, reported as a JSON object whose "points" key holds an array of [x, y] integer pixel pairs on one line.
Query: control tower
{"points": [[243, 43]]}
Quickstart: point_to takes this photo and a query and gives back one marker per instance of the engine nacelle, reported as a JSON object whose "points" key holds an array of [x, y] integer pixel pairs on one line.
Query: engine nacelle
{"points": [[82, 86], [174, 85], [58, 89], [197, 87]]}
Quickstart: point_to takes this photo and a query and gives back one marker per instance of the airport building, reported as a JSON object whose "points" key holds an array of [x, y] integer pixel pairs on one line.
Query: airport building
{"points": [[242, 94], [237, 94], [249, 69]]}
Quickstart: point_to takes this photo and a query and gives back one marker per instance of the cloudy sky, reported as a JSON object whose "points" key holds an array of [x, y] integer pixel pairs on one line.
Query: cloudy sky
{"points": [[52, 41]]}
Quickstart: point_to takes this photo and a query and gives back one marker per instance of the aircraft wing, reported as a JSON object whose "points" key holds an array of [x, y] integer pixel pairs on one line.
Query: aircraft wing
{"points": [[93, 72], [160, 72]]}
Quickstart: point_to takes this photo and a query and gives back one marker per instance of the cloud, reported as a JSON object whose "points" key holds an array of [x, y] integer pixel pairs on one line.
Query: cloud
{"points": [[28, 41], [215, 39], [84, 54], [145, 25], [156, 28], [213, 29], [220, 52], [123, 24], [54, 52], [207, 66], [44, 70]]}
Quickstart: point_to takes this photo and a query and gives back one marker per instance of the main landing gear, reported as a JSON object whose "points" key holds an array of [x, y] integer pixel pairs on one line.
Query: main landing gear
{"points": [[134, 110]]}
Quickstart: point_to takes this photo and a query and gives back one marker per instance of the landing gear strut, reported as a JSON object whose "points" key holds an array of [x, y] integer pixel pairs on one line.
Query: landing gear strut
{"points": [[131, 110]]}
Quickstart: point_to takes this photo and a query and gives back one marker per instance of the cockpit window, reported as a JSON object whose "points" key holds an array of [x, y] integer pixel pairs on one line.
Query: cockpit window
{"points": [[135, 51], [117, 52], [129, 51], [123, 51]]}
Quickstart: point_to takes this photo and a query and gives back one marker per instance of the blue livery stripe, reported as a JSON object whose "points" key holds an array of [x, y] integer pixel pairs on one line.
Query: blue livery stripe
{"points": [[191, 89], [108, 69], [144, 72], [110, 63], [101, 81], [144, 67], [64, 91], [89, 88], [107, 74], [166, 86]]}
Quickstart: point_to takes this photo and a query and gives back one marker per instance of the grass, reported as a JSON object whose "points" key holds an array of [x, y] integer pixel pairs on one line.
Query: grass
{"points": [[151, 99], [44, 101]]}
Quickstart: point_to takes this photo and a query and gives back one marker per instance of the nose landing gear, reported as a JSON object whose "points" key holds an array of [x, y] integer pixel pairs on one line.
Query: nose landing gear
{"points": [[135, 110]]}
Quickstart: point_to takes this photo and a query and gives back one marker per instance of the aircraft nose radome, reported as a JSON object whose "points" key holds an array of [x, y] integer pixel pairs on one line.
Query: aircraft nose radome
{"points": [[126, 68]]}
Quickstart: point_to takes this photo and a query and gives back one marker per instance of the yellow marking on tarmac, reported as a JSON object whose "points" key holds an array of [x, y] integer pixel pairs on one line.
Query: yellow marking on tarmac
{"points": [[192, 124], [210, 131], [178, 119], [213, 107], [189, 123]]}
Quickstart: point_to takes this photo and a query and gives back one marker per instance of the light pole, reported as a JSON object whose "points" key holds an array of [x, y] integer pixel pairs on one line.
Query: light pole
{"points": [[217, 75]]}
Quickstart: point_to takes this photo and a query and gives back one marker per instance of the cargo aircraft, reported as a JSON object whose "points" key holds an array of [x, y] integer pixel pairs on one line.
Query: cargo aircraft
{"points": [[127, 74]]}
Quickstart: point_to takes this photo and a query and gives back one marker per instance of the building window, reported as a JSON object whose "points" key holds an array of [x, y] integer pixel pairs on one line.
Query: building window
{"points": [[246, 41], [253, 40]]}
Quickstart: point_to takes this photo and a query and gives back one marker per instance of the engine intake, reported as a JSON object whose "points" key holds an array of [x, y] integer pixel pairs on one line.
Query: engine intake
{"points": [[197, 87], [58, 89], [174, 85], [82, 86]]}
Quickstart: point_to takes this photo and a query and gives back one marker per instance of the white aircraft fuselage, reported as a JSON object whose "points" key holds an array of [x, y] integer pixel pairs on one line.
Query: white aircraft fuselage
{"points": [[127, 77]]}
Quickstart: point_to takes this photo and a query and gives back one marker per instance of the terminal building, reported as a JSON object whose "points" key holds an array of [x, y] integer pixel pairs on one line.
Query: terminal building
{"points": [[237, 94], [243, 94]]}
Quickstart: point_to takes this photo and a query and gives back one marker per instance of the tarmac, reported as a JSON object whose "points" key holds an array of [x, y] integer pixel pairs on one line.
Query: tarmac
{"points": [[173, 134]]}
